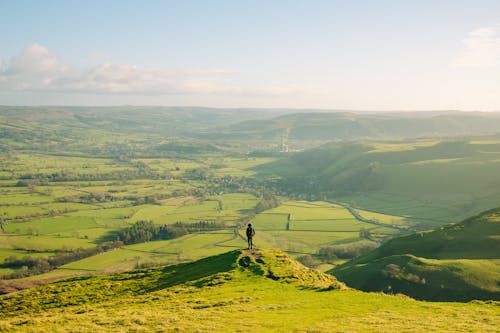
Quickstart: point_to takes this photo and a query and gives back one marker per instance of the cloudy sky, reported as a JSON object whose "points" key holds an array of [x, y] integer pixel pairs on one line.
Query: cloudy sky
{"points": [[350, 54]]}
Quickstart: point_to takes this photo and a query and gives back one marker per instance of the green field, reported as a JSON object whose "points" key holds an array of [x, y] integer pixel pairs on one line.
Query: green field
{"points": [[60, 203], [312, 225]]}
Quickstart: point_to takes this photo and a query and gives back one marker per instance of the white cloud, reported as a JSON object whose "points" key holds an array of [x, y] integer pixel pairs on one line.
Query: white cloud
{"points": [[481, 49], [38, 69]]}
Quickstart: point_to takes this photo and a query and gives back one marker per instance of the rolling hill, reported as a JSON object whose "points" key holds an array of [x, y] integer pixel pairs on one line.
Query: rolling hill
{"points": [[327, 126], [428, 182], [458, 262], [262, 291]]}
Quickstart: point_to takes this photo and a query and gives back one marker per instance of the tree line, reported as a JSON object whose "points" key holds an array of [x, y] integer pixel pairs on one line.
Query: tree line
{"points": [[145, 231], [29, 265]]}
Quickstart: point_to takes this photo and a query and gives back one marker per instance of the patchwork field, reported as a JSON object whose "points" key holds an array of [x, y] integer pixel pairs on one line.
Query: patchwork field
{"points": [[303, 227], [54, 204]]}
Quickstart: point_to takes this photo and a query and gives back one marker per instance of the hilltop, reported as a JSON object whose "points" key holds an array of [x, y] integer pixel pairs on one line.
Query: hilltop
{"points": [[457, 262], [261, 291]]}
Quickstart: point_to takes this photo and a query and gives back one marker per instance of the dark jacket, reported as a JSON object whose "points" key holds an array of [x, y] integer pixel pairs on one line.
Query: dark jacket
{"points": [[250, 232]]}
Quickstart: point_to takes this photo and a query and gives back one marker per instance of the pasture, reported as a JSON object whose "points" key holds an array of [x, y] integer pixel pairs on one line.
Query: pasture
{"points": [[312, 225], [52, 203]]}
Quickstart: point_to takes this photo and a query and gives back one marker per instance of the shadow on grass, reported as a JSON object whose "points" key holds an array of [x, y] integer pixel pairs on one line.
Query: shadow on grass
{"points": [[109, 236], [179, 274]]}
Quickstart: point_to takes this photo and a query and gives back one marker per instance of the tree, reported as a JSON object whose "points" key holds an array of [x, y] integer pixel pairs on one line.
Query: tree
{"points": [[365, 233]]}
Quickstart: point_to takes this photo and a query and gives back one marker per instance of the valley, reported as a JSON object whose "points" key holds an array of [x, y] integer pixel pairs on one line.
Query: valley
{"points": [[107, 194]]}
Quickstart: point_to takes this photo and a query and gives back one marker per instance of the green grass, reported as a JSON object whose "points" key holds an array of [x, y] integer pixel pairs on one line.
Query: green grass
{"points": [[226, 293], [53, 225], [456, 262], [186, 248], [340, 225], [269, 220], [312, 225], [191, 211], [42, 243]]}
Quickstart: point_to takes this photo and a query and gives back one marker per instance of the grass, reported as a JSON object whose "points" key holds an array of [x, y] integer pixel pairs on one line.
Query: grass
{"points": [[312, 225], [187, 248], [226, 293], [457, 262], [42, 243], [190, 211]]}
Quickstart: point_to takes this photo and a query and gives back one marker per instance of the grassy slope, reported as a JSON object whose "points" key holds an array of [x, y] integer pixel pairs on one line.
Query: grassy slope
{"points": [[430, 182], [234, 291], [456, 262], [344, 125]]}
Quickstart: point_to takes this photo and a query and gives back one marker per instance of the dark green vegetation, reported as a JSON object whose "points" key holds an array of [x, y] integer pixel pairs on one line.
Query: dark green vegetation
{"points": [[457, 262], [263, 291]]}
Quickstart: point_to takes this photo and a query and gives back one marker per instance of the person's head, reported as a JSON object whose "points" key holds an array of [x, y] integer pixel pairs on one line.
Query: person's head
{"points": [[249, 225]]}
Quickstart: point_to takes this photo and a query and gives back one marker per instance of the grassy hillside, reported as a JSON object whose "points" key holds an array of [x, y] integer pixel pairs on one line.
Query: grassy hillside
{"points": [[429, 182], [114, 131], [457, 262], [264, 291], [327, 126]]}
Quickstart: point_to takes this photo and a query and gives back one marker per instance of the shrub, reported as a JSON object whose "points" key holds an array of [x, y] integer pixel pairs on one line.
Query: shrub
{"points": [[346, 251]]}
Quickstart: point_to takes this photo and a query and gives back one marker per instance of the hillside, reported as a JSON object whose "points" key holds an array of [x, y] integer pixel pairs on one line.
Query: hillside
{"points": [[327, 126], [457, 262], [109, 131], [429, 182], [264, 291]]}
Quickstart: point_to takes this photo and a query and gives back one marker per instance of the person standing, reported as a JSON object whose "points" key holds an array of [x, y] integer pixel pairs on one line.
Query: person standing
{"points": [[250, 234]]}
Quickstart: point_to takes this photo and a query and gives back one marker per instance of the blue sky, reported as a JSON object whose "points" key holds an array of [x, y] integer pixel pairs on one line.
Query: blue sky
{"points": [[362, 55]]}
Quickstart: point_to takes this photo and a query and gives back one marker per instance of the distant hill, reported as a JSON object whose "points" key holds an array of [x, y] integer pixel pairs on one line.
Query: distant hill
{"points": [[430, 182], [50, 128], [137, 119], [123, 130], [458, 262], [327, 126], [259, 291]]}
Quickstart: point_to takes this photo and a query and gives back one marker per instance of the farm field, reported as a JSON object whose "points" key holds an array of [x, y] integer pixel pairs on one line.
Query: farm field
{"points": [[303, 227], [334, 227], [52, 204]]}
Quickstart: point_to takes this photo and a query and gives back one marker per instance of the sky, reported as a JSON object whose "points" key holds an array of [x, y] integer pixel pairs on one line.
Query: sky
{"points": [[350, 55]]}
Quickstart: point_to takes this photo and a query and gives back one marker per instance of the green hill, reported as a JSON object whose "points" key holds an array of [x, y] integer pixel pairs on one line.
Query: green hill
{"points": [[429, 182], [326, 126], [457, 262], [263, 291]]}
